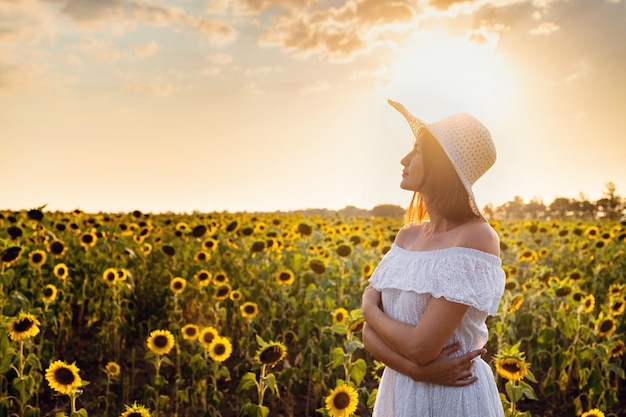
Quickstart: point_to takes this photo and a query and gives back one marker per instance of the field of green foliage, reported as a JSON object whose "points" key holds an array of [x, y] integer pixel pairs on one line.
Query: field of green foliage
{"points": [[224, 314]]}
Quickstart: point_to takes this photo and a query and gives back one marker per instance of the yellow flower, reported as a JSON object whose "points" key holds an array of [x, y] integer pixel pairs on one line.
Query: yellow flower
{"points": [[270, 353], [235, 295], [60, 271], [203, 277], [37, 258], [49, 293], [113, 369], [589, 302], [220, 349], [190, 332], [207, 335], [340, 316], [516, 303], [249, 310], [527, 256], [367, 270], [606, 327], [160, 342], [617, 306], [342, 401], [617, 349], [511, 368], [63, 377], [593, 413], [222, 291], [177, 285], [285, 277], [592, 232], [110, 276], [88, 240], [136, 410], [23, 327]]}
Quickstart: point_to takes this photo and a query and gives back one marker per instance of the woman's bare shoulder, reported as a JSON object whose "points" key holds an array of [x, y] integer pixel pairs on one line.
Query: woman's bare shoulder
{"points": [[408, 233], [480, 236]]}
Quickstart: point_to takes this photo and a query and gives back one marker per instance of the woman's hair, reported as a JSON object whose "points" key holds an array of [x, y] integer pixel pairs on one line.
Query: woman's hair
{"points": [[446, 193]]}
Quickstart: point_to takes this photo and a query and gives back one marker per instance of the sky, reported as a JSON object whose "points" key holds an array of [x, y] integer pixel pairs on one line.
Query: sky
{"points": [[280, 105]]}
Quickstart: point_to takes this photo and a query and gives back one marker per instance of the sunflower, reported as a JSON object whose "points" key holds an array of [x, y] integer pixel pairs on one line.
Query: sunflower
{"points": [[24, 326], [122, 274], [617, 306], [136, 410], [37, 258], [235, 295], [249, 310], [190, 332], [592, 232], [593, 413], [203, 277], [356, 326], [344, 250], [517, 302], [63, 377], [220, 349], [317, 266], [285, 277], [342, 401], [60, 271], [270, 353], [202, 256], [588, 303], [49, 293], [113, 369], [160, 341], [615, 290], [110, 276], [340, 316], [88, 240], [367, 270], [182, 227], [220, 278], [527, 256], [177, 285], [617, 349], [606, 327], [210, 244], [207, 335], [11, 255], [222, 292], [56, 247], [146, 248], [511, 367]]}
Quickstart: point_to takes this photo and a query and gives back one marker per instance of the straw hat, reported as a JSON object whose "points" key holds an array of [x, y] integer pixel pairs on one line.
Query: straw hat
{"points": [[466, 142]]}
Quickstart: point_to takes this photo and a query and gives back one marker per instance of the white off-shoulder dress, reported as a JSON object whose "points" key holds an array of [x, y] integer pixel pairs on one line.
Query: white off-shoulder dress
{"points": [[407, 279]]}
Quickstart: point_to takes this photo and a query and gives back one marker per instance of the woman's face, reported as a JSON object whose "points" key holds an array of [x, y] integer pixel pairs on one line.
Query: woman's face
{"points": [[413, 172]]}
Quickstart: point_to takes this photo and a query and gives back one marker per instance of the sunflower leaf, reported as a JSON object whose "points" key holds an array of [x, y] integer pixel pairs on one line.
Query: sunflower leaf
{"points": [[247, 382]]}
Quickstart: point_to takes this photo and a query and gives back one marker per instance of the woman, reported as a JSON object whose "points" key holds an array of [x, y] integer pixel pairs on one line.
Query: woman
{"points": [[441, 279]]}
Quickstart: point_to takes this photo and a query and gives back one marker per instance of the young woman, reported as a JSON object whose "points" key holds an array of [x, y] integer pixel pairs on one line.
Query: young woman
{"points": [[432, 292]]}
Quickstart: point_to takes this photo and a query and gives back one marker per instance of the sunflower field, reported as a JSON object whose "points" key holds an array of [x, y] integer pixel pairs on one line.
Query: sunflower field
{"points": [[241, 314]]}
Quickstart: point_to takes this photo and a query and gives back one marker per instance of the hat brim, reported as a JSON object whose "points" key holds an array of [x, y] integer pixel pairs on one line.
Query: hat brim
{"points": [[417, 125]]}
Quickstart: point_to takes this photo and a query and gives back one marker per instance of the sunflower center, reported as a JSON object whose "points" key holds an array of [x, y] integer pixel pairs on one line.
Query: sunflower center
{"points": [[134, 414], [47, 292], [87, 238], [190, 331], [203, 276], [208, 337], [160, 341], [339, 317], [606, 326], [219, 349], [111, 277], [222, 291], [178, 285], [271, 354], [341, 401], [284, 276], [37, 258], [23, 325], [249, 309], [64, 376], [512, 367]]}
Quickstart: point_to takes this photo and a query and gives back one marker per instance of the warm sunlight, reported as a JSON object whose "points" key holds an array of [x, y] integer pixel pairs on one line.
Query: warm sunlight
{"points": [[454, 74]]}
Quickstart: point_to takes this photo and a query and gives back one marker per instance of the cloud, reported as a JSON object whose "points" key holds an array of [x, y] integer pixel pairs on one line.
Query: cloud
{"points": [[582, 70], [156, 87], [220, 59], [99, 51], [146, 50], [93, 15], [317, 87], [337, 34], [254, 7], [544, 29]]}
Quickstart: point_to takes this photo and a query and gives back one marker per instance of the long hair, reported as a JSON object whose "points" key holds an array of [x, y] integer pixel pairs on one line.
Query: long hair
{"points": [[445, 192]]}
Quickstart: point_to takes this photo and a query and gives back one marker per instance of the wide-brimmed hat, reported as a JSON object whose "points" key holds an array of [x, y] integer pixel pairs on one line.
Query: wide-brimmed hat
{"points": [[466, 142]]}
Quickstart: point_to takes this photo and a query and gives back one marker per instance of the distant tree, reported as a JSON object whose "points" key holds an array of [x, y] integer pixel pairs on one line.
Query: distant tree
{"points": [[561, 207], [387, 210], [586, 209], [515, 209], [610, 205], [535, 209]]}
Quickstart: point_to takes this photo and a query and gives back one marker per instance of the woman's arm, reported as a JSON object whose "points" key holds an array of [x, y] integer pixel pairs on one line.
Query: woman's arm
{"points": [[444, 370], [422, 343]]}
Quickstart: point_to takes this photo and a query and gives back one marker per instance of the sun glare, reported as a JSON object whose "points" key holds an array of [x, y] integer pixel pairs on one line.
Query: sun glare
{"points": [[451, 74]]}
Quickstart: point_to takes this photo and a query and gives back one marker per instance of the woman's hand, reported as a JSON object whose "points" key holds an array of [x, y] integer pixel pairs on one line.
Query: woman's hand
{"points": [[449, 371], [370, 301]]}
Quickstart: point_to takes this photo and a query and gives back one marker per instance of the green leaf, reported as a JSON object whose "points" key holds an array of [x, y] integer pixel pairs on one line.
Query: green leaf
{"points": [[247, 382], [339, 357], [357, 371]]}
